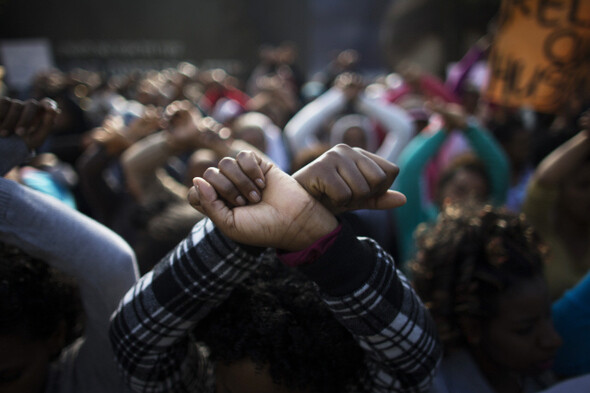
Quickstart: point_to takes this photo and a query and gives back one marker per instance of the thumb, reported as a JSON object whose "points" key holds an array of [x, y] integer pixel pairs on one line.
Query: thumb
{"points": [[209, 202], [389, 200]]}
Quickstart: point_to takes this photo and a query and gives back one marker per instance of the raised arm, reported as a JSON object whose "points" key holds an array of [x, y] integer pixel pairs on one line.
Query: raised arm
{"points": [[491, 154], [566, 158], [398, 124], [352, 272], [301, 131], [102, 263], [409, 182]]}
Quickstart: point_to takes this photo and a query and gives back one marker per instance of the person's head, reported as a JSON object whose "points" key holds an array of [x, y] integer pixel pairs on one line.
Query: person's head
{"points": [[354, 130], [39, 315], [464, 179], [274, 334], [250, 127], [198, 163], [480, 273]]}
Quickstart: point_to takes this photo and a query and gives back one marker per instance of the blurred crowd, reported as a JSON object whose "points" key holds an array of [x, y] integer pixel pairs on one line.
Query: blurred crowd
{"points": [[493, 236]]}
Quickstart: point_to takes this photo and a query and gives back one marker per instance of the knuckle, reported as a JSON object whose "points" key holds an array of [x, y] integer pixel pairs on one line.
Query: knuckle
{"points": [[342, 198], [210, 173], [226, 163]]}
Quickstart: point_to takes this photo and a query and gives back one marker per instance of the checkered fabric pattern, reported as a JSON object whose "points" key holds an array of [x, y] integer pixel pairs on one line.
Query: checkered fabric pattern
{"points": [[357, 280]]}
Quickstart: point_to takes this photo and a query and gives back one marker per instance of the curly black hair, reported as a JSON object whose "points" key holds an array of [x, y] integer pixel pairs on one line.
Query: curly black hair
{"points": [[468, 257], [35, 298], [277, 320]]}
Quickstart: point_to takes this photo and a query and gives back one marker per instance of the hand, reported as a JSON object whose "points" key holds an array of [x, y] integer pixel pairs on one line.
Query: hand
{"points": [[182, 122], [346, 59], [32, 120], [454, 115], [411, 73], [351, 84], [286, 217], [346, 178], [149, 122]]}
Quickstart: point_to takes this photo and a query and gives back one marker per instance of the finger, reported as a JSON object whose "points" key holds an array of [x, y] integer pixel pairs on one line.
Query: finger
{"points": [[251, 165], [242, 184], [27, 117], [350, 172], [211, 205], [389, 200], [12, 117], [334, 192], [380, 179], [224, 187], [194, 199]]}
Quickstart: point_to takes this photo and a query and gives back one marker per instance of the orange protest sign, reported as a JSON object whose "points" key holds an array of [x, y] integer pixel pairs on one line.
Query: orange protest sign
{"points": [[540, 57]]}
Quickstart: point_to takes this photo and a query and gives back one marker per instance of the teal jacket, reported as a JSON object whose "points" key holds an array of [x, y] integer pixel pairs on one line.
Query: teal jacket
{"points": [[412, 162]]}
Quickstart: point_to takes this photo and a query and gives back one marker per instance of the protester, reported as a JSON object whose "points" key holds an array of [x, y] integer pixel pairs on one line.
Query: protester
{"points": [[483, 177], [558, 205], [480, 272], [158, 332], [39, 234], [356, 127]]}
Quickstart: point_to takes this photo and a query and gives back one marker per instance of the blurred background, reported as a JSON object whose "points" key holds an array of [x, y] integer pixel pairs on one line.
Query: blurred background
{"points": [[118, 36]]}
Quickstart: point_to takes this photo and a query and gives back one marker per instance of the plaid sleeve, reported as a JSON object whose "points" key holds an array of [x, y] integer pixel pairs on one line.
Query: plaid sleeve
{"points": [[366, 292], [150, 330]]}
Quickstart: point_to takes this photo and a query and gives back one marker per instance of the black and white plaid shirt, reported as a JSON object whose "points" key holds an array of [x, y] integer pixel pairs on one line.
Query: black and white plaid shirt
{"points": [[356, 278]]}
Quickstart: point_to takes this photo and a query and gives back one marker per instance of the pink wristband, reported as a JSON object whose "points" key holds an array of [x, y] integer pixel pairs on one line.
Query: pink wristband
{"points": [[311, 253]]}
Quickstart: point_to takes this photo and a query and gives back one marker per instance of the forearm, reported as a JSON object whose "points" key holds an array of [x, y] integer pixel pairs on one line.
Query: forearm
{"points": [[495, 161], [456, 80], [141, 161], [397, 122], [374, 301], [102, 263], [301, 129], [150, 330], [433, 87], [563, 160], [410, 183], [97, 193]]}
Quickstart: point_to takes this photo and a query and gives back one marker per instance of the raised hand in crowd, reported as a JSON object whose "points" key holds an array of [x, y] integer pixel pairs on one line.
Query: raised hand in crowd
{"points": [[48, 342], [31, 120], [350, 83], [342, 179], [453, 115]]}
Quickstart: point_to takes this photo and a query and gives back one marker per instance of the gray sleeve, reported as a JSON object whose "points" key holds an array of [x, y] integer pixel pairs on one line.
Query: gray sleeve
{"points": [[103, 263]]}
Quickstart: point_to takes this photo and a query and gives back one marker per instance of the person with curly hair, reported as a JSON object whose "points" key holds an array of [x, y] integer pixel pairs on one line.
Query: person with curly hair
{"points": [[480, 273], [275, 294], [43, 347], [39, 305]]}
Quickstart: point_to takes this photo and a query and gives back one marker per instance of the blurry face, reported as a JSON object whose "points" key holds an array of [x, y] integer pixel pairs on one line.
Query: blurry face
{"points": [[576, 194], [243, 377], [23, 364], [465, 185], [355, 137], [521, 337]]}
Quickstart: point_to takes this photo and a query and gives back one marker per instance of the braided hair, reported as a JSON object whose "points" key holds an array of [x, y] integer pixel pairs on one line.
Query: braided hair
{"points": [[469, 257]]}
